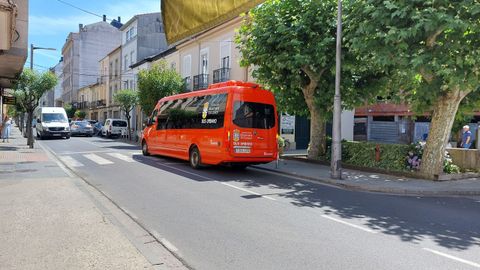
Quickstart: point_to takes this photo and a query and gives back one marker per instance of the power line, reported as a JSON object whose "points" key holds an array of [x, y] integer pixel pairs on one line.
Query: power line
{"points": [[81, 9]]}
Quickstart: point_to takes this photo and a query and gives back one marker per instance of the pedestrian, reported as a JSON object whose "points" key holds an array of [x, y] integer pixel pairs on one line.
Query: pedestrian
{"points": [[466, 137], [6, 128]]}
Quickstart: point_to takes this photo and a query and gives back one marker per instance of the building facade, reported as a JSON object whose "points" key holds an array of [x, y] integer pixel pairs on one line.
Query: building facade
{"points": [[114, 59], [142, 37], [82, 52]]}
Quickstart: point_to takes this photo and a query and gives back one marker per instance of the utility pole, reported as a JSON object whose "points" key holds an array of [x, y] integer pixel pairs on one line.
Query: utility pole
{"points": [[336, 163]]}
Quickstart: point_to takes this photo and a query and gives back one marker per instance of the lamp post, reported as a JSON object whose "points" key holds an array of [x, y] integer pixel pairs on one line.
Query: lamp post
{"points": [[32, 48], [336, 165]]}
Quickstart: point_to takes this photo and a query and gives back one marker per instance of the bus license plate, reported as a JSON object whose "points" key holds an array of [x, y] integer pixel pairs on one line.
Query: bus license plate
{"points": [[242, 150]]}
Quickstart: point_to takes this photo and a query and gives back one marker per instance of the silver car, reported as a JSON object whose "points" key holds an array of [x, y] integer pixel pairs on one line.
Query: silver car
{"points": [[81, 128]]}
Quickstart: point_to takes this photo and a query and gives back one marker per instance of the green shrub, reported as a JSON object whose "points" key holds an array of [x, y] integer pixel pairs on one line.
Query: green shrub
{"points": [[392, 156]]}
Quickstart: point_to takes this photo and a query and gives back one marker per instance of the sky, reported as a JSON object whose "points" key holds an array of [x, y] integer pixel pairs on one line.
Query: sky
{"points": [[50, 22]]}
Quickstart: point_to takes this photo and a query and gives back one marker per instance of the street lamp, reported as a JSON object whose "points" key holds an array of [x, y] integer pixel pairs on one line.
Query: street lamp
{"points": [[32, 48], [336, 160]]}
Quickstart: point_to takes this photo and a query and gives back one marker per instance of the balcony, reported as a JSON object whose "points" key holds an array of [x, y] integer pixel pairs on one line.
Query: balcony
{"points": [[200, 82], [97, 104], [83, 105], [187, 84], [221, 75]]}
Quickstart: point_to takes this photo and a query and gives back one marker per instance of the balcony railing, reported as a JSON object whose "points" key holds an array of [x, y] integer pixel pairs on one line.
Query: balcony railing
{"points": [[97, 103], [187, 84], [83, 105], [221, 75], [200, 82]]}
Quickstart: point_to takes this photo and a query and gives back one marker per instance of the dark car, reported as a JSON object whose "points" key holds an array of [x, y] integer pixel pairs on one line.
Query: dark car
{"points": [[97, 129], [81, 128]]}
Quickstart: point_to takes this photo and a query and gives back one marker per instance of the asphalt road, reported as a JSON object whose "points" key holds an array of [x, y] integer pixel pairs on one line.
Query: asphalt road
{"points": [[217, 218]]}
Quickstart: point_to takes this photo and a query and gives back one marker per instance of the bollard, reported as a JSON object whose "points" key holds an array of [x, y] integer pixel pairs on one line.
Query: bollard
{"points": [[377, 153]]}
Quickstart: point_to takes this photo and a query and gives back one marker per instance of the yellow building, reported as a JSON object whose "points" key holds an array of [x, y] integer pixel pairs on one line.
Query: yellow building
{"points": [[92, 100]]}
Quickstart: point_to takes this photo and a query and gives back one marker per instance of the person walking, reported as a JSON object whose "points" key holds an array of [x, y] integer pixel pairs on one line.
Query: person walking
{"points": [[466, 137], [6, 128]]}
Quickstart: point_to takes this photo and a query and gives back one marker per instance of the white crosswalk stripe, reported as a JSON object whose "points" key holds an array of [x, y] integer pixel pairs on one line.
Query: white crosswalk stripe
{"points": [[71, 162], [121, 156], [98, 159]]}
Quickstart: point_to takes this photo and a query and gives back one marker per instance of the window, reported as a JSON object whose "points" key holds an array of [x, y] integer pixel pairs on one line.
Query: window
{"points": [[132, 57], [225, 53], [253, 115], [126, 63], [200, 112], [204, 61], [173, 66], [116, 67], [117, 123], [187, 66]]}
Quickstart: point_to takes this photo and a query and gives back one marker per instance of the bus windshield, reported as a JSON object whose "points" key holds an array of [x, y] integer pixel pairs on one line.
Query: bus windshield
{"points": [[253, 115], [54, 117]]}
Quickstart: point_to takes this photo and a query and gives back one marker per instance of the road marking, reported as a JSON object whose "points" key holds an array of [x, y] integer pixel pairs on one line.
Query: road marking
{"points": [[82, 152], [50, 153], [168, 245], [121, 156], [248, 191], [71, 162], [349, 224], [97, 159], [452, 257]]}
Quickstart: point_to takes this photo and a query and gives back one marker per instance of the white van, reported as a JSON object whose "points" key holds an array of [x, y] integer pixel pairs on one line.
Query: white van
{"points": [[114, 127], [51, 122]]}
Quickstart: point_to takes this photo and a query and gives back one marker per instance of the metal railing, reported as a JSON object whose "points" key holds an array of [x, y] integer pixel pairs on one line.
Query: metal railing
{"points": [[200, 82], [221, 75]]}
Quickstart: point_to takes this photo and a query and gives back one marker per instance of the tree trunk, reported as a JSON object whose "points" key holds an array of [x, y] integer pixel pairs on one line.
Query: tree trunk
{"points": [[128, 126], [444, 112], [22, 119], [317, 124], [29, 129]]}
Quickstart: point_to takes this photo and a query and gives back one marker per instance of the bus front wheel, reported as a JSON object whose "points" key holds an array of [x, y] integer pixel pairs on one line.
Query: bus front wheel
{"points": [[195, 158]]}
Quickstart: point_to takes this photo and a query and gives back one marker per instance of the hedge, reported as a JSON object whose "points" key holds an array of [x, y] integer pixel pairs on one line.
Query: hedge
{"points": [[392, 156]]}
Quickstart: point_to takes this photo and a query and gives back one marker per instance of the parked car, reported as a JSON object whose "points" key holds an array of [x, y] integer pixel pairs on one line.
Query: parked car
{"points": [[92, 122], [81, 128], [97, 129], [51, 122], [114, 127]]}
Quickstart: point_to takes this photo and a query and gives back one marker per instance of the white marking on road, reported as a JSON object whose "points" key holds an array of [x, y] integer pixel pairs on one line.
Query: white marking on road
{"points": [[168, 245], [248, 191], [82, 152], [71, 162], [121, 156], [97, 159], [349, 224], [452, 257], [51, 155]]}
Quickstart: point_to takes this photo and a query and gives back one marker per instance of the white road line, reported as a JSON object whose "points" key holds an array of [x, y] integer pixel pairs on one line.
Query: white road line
{"points": [[349, 224], [168, 245], [82, 152], [71, 162], [51, 155], [121, 157], [453, 257], [248, 191], [97, 159]]}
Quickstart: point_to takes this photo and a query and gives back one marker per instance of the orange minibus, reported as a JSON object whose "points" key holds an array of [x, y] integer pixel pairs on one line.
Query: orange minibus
{"points": [[231, 123]]}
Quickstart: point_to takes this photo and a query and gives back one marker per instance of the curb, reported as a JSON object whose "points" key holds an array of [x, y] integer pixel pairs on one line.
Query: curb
{"points": [[393, 191]]}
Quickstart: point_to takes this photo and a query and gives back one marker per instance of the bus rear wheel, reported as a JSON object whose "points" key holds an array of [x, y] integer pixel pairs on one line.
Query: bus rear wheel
{"points": [[195, 158], [145, 149]]}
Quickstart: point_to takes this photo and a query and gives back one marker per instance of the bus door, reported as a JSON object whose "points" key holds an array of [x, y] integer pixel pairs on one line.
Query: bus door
{"points": [[254, 132]]}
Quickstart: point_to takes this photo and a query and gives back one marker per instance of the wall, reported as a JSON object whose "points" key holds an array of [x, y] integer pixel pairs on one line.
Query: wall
{"points": [[465, 158]]}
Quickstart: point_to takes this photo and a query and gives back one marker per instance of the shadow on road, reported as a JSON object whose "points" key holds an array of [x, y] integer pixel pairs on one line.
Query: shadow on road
{"points": [[452, 223]]}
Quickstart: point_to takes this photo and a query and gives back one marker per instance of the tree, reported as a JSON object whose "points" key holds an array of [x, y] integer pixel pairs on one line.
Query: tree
{"points": [[291, 45], [80, 114], [70, 110], [156, 83], [28, 90], [428, 50], [127, 99]]}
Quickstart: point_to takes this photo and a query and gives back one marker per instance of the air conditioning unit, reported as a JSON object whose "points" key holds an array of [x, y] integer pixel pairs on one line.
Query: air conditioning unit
{"points": [[8, 12]]}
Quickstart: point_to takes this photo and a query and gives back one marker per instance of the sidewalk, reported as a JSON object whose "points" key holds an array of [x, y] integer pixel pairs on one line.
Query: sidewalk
{"points": [[49, 220], [374, 182]]}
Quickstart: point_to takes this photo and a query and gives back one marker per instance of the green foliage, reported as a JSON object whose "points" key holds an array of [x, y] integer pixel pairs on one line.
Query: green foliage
{"points": [[80, 114], [448, 166], [31, 86], [392, 156], [292, 42], [156, 83], [127, 99], [425, 47], [70, 110]]}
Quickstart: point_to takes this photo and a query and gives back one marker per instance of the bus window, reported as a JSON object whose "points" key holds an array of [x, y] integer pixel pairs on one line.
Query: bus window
{"points": [[253, 115]]}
